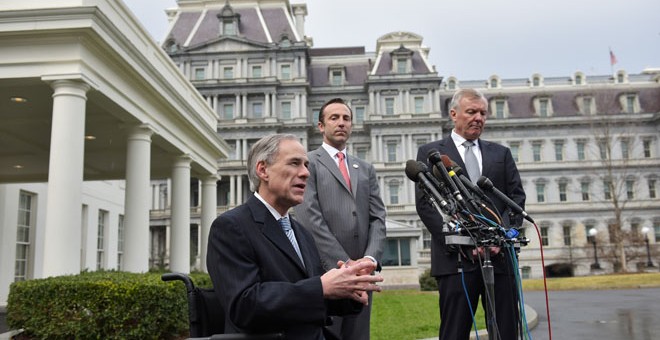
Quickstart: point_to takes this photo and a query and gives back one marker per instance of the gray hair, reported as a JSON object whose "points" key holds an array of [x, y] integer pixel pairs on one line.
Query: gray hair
{"points": [[465, 93], [264, 150]]}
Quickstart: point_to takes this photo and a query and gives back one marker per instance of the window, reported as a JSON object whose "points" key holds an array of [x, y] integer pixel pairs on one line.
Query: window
{"points": [[620, 78], [228, 72], [652, 192], [499, 108], [228, 28], [540, 192], [630, 189], [562, 191], [526, 272], [256, 71], [630, 101], [559, 150], [24, 231], [200, 73], [228, 111], [391, 152], [361, 153], [567, 234], [402, 65], [419, 104], [337, 78], [100, 239], [536, 151], [515, 150], [451, 85], [584, 189], [586, 105], [656, 230], [543, 107], [646, 146], [359, 114], [536, 81], [396, 252], [257, 110], [394, 192], [544, 236], [607, 189], [389, 106], [625, 149], [603, 149], [580, 144], [285, 72], [494, 82], [578, 79], [286, 110], [194, 241], [120, 243], [426, 238]]}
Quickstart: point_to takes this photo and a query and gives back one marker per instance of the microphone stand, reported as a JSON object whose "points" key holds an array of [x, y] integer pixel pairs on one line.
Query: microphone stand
{"points": [[489, 284]]}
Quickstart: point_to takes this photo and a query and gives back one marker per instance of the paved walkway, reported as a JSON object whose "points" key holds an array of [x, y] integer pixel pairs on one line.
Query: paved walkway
{"points": [[630, 314]]}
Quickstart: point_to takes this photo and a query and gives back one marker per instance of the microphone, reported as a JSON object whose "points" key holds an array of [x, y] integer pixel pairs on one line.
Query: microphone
{"points": [[455, 170], [435, 158], [417, 171], [486, 184]]}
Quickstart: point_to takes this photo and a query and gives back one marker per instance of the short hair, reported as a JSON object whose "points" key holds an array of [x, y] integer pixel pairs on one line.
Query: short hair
{"points": [[333, 101], [265, 149], [465, 93]]}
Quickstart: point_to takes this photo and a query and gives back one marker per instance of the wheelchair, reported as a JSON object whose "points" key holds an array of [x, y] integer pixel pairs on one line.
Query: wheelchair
{"points": [[206, 317]]}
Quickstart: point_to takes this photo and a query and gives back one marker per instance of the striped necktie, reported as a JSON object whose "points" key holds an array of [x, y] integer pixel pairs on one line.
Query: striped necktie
{"points": [[471, 163], [286, 226], [343, 169]]}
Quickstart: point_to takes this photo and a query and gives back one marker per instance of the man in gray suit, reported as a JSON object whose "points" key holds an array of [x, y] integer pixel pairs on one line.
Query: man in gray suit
{"points": [[342, 207]]}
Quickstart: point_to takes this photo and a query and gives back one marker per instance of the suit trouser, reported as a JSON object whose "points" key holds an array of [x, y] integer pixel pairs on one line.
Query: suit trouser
{"points": [[352, 327], [456, 318]]}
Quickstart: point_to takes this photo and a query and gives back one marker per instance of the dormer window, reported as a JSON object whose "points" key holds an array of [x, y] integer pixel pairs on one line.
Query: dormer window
{"points": [[621, 77], [586, 104], [537, 80], [543, 106], [494, 82], [401, 60], [451, 83], [285, 41], [336, 75], [499, 108], [229, 21], [629, 103], [171, 46], [579, 79]]}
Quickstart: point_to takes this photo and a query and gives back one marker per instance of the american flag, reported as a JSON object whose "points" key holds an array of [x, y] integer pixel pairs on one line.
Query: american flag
{"points": [[612, 58]]}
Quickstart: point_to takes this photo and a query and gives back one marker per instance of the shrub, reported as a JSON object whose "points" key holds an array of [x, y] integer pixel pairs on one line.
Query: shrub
{"points": [[427, 282], [108, 305]]}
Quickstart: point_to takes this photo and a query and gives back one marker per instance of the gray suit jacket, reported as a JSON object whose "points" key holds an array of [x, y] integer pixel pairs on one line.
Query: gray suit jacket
{"points": [[345, 225]]}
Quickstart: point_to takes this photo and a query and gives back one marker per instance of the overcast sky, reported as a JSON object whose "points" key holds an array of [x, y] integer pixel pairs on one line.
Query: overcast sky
{"points": [[474, 39]]}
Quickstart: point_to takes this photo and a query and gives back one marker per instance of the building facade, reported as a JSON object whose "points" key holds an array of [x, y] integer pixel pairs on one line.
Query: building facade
{"points": [[579, 140]]}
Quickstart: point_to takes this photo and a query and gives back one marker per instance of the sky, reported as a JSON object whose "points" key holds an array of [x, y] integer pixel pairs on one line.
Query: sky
{"points": [[474, 39]]}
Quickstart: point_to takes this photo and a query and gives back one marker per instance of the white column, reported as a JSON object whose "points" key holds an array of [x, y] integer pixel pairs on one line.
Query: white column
{"points": [[406, 101], [303, 67], [245, 150], [62, 234], [296, 65], [239, 189], [377, 108], [303, 105], [136, 210], [268, 112], [237, 110], [232, 190], [244, 105], [296, 105], [273, 101], [154, 196], [371, 103], [180, 227], [209, 212]]}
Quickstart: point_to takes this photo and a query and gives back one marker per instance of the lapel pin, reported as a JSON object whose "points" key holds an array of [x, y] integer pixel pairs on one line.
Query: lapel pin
{"points": [[355, 166]]}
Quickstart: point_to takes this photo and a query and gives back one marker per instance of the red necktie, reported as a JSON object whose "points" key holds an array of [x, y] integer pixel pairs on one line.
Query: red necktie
{"points": [[343, 170]]}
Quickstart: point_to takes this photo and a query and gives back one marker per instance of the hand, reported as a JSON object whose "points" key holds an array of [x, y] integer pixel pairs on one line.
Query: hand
{"points": [[346, 282], [350, 262], [480, 251]]}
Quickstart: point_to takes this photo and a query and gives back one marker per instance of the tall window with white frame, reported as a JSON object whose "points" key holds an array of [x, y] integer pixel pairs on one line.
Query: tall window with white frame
{"points": [[257, 110], [544, 104], [580, 144], [607, 189], [286, 110], [397, 252], [646, 148], [651, 185], [630, 188], [228, 111], [584, 189], [419, 104], [359, 114], [389, 106], [562, 186], [625, 148], [630, 103], [499, 109], [536, 151], [393, 188], [515, 150], [120, 243], [566, 228], [540, 192], [285, 72], [559, 150], [100, 239], [544, 235], [603, 149], [391, 151], [24, 231]]}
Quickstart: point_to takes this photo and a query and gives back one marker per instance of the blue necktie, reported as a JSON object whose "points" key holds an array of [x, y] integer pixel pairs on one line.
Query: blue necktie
{"points": [[286, 226], [471, 163]]}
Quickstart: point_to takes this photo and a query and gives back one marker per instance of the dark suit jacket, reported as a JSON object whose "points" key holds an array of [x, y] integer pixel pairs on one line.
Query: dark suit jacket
{"points": [[259, 279], [346, 224], [499, 167]]}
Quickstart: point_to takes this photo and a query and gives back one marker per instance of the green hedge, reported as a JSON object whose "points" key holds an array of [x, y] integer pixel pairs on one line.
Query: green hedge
{"points": [[107, 305], [427, 282]]}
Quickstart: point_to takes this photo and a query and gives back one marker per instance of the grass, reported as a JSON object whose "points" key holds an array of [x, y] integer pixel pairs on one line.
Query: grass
{"points": [[410, 314]]}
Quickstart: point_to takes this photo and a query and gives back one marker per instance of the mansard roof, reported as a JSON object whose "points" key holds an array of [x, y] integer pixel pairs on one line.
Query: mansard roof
{"points": [[196, 26]]}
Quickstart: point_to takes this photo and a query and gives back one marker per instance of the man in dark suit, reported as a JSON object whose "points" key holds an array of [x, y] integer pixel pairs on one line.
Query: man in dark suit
{"points": [[265, 270], [342, 206], [469, 109]]}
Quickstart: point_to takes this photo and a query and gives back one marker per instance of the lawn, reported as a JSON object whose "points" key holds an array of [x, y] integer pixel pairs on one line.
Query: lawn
{"points": [[410, 314]]}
